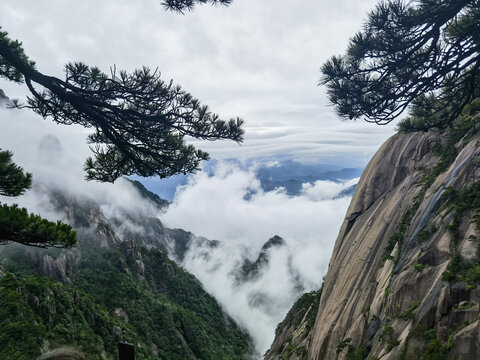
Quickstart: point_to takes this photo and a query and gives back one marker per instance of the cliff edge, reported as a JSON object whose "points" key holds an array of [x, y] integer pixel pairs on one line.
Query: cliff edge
{"points": [[403, 280]]}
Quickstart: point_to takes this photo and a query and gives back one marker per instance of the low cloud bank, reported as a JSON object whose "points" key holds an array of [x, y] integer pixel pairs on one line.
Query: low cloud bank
{"points": [[230, 206], [226, 204]]}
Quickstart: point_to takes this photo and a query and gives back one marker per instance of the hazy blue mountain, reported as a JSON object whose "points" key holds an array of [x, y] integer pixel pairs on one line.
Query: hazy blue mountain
{"points": [[346, 192], [272, 173], [291, 175]]}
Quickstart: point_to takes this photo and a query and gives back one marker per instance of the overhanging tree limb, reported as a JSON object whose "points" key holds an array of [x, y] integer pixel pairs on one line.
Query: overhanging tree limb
{"points": [[17, 225], [139, 122], [406, 50], [13, 180]]}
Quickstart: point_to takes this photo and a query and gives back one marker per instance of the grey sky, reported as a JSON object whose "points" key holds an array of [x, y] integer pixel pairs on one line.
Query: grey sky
{"points": [[256, 59]]}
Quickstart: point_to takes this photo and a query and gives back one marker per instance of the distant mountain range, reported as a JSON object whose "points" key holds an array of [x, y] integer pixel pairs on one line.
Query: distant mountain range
{"points": [[291, 175], [273, 174]]}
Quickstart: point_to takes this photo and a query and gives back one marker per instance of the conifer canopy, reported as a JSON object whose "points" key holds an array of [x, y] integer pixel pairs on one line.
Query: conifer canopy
{"points": [[138, 124], [405, 51]]}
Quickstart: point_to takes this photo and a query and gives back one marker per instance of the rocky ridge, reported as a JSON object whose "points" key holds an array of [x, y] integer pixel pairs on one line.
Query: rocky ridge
{"points": [[116, 284], [403, 280]]}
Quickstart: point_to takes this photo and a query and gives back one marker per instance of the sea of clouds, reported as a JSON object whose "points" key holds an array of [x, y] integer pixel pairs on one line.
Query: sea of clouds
{"points": [[230, 206], [226, 204]]}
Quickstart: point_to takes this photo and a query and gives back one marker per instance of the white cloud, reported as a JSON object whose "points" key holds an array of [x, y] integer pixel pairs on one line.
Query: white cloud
{"points": [[57, 161], [216, 207], [258, 60], [213, 206], [324, 190]]}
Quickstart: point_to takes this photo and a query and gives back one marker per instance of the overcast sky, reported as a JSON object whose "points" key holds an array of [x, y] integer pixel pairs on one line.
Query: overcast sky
{"points": [[259, 60]]}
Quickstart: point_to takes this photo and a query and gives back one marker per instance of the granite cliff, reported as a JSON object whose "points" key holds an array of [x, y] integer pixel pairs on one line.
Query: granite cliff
{"points": [[403, 280]]}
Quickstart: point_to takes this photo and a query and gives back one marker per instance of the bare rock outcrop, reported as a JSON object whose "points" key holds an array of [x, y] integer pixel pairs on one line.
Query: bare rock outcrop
{"points": [[402, 280]]}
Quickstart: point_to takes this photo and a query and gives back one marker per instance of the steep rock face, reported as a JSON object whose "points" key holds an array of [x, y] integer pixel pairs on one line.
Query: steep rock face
{"points": [[364, 300], [402, 279], [85, 216], [293, 334], [386, 190]]}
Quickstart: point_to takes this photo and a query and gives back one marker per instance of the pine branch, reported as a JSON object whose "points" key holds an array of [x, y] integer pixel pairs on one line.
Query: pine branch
{"points": [[13, 180], [139, 121], [16, 225]]}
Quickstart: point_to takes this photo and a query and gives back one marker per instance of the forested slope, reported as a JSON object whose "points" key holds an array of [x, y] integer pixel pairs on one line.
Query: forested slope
{"points": [[108, 289]]}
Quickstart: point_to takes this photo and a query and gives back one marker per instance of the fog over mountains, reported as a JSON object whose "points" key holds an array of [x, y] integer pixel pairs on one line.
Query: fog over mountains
{"points": [[273, 173], [228, 202], [254, 279]]}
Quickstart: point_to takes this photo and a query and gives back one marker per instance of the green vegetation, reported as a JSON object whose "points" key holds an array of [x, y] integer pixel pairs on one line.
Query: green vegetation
{"points": [[352, 352], [13, 180], [461, 202], [309, 301], [303, 312], [129, 293], [16, 224], [427, 233], [36, 309], [437, 350], [357, 354], [433, 349], [343, 344], [465, 125], [419, 120], [399, 235], [409, 314], [171, 306], [291, 349], [418, 267], [302, 352], [422, 52], [387, 337]]}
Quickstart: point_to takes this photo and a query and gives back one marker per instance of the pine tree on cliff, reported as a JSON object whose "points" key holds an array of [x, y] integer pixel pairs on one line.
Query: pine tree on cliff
{"points": [[138, 126], [423, 52], [16, 225]]}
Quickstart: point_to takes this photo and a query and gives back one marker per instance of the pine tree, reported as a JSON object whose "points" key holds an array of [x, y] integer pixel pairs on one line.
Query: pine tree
{"points": [[13, 180], [182, 5], [16, 224], [138, 124], [426, 51], [138, 121]]}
